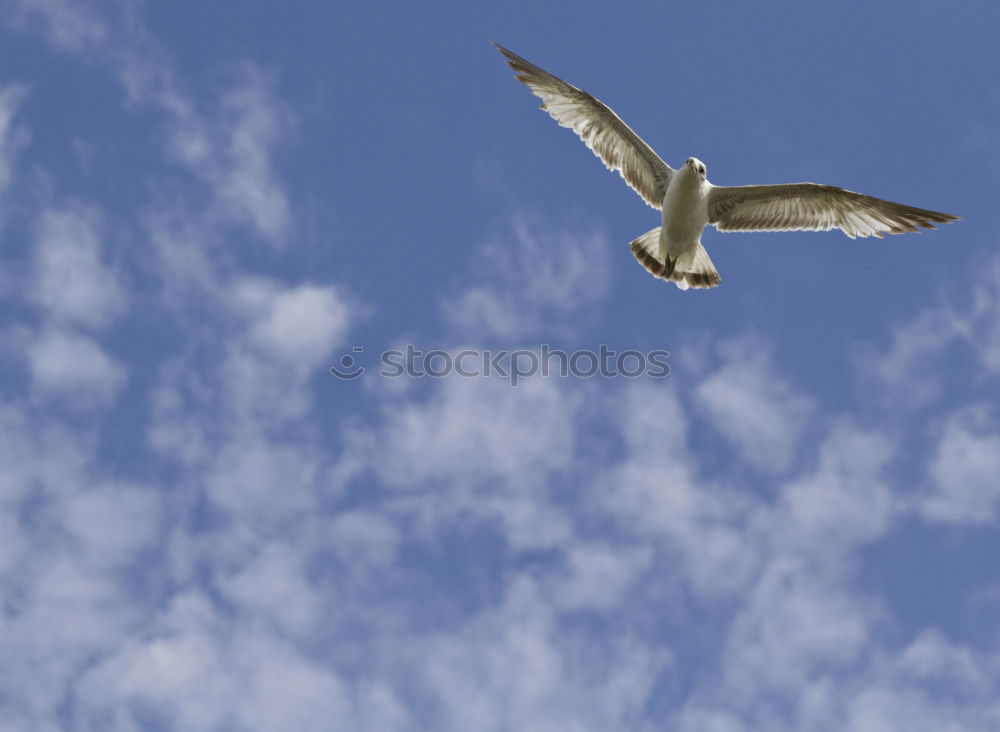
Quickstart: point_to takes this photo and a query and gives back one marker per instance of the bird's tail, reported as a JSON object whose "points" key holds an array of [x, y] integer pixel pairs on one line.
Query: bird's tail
{"points": [[693, 268]]}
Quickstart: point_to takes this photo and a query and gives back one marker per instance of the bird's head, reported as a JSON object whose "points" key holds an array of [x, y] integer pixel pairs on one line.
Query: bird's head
{"points": [[697, 167]]}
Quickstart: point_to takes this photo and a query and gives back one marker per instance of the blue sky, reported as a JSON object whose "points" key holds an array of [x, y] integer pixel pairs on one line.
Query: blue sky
{"points": [[203, 208]]}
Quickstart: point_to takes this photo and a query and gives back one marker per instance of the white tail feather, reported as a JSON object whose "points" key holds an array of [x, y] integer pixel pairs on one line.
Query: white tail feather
{"points": [[693, 268]]}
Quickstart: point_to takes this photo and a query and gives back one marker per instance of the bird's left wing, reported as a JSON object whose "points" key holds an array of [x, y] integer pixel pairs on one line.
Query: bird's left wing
{"points": [[813, 207], [601, 129]]}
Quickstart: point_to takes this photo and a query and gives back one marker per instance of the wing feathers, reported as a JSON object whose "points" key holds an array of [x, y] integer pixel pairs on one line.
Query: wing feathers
{"points": [[814, 207], [601, 129]]}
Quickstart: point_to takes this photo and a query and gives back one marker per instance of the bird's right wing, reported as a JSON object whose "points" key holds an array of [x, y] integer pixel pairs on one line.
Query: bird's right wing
{"points": [[601, 129], [813, 207]]}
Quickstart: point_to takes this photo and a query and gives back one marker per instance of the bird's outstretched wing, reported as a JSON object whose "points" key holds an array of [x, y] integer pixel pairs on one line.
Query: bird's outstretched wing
{"points": [[813, 207], [601, 129]]}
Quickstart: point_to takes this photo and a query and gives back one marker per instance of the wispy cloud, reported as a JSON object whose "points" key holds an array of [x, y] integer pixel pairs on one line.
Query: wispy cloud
{"points": [[71, 537], [190, 655], [925, 344], [530, 279], [754, 407], [964, 470], [73, 282], [13, 137], [67, 25], [512, 667], [295, 325], [229, 148], [657, 496], [73, 370]]}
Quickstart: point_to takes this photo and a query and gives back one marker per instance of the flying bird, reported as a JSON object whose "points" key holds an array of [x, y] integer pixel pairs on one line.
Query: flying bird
{"points": [[673, 251]]}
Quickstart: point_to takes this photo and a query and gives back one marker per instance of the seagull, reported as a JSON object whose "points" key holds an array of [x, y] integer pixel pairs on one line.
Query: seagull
{"points": [[673, 251]]}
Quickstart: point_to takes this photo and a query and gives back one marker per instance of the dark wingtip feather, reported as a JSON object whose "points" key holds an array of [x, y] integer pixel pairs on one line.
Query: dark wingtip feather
{"points": [[653, 265], [665, 270], [702, 280]]}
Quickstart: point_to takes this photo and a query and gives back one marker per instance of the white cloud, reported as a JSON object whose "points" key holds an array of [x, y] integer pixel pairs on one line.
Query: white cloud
{"points": [[887, 710], [751, 405], [282, 337], [984, 333], [12, 137], [229, 148], [13, 540], [901, 370], [927, 685], [298, 325], [965, 469], [791, 627], [477, 450], [806, 648], [244, 476], [598, 576], [71, 281], [698, 719], [539, 279], [273, 585], [907, 372], [846, 501], [479, 429], [60, 614], [109, 525], [363, 540], [68, 25], [931, 684], [513, 667], [253, 121], [184, 252], [73, 369], [258, 346], [197, 670], [39, 455], [69, 539], [260, 393], [655, 493], [801, 627], [932, 658]]}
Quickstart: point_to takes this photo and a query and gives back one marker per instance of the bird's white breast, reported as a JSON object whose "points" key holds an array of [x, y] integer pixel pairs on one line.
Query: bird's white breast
{"points": [[684, 212]]}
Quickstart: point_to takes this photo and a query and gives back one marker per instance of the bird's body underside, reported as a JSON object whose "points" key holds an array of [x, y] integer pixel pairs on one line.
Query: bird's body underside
{"points": [[673, 251]]}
